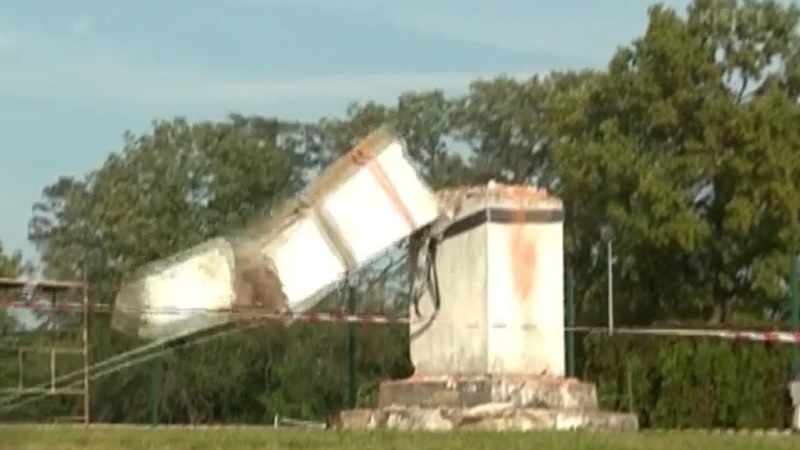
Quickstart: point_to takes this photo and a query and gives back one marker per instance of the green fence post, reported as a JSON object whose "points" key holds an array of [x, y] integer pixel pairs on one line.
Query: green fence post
{"points": [[795, 314], [352, 394], [570, 332], [154, 399]]}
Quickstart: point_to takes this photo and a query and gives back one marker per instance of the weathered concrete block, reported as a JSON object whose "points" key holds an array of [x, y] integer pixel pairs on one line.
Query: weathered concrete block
{"points": [[500, 273], [465, 392], [489, 417]]}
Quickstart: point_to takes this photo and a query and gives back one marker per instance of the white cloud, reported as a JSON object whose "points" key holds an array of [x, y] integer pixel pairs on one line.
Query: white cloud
{"points": [[357, 85], [81, 25], [583, 30], [49, 68]]}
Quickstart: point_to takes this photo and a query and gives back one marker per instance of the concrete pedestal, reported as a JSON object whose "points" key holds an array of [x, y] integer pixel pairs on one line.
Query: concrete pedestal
{"points": [[489, 402], [490, 417], [500, 272], [469, 392], [488, 345]]}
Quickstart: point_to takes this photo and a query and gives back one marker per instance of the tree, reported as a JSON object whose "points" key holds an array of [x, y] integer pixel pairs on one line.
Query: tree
{"points": [[502, 122], [165, 191], [12, 265], [685, 147]]}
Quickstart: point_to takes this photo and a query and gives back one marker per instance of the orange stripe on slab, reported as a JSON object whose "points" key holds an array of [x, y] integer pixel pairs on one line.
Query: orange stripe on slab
{"points": [[522, 247], [364, 156]]}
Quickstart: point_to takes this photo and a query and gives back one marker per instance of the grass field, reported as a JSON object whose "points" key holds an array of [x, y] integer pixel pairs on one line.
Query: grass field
{"points": [[130, 438]]}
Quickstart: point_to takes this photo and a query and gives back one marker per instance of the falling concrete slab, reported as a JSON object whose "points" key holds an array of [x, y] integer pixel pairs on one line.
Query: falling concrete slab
{"points": [[366, 201]]}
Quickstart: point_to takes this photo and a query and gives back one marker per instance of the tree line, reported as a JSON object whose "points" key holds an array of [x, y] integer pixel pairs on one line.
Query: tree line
{"points": [[685, 145]]}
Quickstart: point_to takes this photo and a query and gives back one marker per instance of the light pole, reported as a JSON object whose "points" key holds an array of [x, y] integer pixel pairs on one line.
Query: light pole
{"points": [[607, 234]]}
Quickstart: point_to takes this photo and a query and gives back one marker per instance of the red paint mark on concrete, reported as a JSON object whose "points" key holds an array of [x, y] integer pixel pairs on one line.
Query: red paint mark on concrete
{"points": [[522, 243], [522, 248], [364, 156]]}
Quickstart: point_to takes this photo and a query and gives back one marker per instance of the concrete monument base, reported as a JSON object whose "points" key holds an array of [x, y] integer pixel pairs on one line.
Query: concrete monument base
{"points": [[493, 307], [500, 403], [489, 417], [468, 392]]}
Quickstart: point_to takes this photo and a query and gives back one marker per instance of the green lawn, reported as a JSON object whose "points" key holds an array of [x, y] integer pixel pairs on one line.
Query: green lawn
{"points": [[130, 438]]}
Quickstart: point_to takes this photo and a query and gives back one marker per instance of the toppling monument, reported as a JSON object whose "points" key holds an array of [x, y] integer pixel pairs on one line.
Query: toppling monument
{"points": [[286, 263], [487, 333]]}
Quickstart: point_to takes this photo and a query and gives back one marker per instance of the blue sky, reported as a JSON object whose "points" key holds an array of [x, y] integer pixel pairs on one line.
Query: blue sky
{"points": [[74, 75]]}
